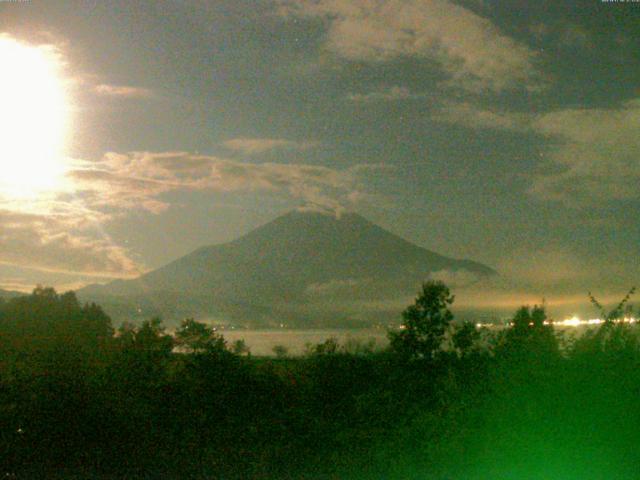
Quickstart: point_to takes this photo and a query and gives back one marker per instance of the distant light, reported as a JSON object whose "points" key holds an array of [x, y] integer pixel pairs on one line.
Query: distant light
{"points": [[572, 322]]}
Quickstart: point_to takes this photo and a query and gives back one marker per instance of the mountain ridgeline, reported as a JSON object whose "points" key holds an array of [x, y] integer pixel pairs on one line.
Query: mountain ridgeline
{"points": [[302, 269], [7, 294]]}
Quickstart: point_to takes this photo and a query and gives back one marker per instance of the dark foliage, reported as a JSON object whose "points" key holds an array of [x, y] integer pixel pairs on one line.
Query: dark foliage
{"points": [[424, 323], [78, 400]]}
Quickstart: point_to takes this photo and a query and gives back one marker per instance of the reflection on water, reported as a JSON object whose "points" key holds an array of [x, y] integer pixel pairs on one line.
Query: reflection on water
{"points": [[261, 342]]}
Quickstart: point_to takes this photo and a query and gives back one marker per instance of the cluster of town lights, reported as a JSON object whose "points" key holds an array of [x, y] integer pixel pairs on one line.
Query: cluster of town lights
{"points": [[570, 322], [576, 321]]}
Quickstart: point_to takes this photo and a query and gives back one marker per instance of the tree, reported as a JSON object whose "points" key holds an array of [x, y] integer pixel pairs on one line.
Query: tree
{"points": [[620, 311], [198, 337], [151, 337], [44, 322], [280, 351], [529, 335], [613, 336], [145, 343], [329, 347], [465, 337], [240, 347], [424, 323]]}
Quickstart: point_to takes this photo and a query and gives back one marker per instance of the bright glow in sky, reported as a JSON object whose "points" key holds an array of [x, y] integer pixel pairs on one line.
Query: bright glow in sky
{"points": [[33, 120], [507, 141]]}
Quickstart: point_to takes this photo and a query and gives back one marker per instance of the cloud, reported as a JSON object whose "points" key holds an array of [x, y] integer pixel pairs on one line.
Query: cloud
{"points": [[567, 36], [138, 180], [469, 48], [391, 94], [64, 232], [591, 154], [545, 266], [25, 285], [253, 146], [597, 151], [46, 230], [55, 244], [472, 116], [15, 284], [122, 91]]}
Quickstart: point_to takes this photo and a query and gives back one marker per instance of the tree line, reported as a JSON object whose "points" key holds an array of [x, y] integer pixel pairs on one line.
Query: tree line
{"points": [[81, 399]]}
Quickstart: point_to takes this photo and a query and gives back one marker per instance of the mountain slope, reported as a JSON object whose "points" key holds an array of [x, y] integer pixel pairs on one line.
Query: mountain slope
{"points": [[301, 261], [7, 294]]}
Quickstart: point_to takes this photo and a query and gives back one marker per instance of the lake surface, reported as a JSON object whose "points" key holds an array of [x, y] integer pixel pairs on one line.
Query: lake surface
{"points": [[261, 342]]}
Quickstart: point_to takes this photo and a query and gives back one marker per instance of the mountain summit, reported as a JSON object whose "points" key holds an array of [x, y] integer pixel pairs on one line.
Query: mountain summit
{"points": [[300, 267]]}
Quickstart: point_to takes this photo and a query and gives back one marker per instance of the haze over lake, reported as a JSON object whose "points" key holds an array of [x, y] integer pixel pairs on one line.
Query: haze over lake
{"points": [[261, 342]]}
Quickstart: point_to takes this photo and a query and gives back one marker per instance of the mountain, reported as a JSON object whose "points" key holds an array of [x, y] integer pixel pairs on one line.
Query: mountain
{"points": [[7, 294], [301, 268]]}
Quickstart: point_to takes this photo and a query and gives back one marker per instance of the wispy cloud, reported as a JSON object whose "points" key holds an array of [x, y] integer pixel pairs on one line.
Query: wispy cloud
{"points": [[254, 146], [67, 232], [122, 91], [567, 36], [474, 53], [57, 244], [138, 179], [591, 154], [473, 116], [390, 94], [597, 151]]}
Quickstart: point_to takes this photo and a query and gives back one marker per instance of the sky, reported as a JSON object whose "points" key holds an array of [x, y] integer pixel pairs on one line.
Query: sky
{"points": [[501, 131]]}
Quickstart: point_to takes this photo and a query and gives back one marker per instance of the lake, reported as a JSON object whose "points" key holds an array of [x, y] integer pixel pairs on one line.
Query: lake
{"points": [[261, 342]]}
